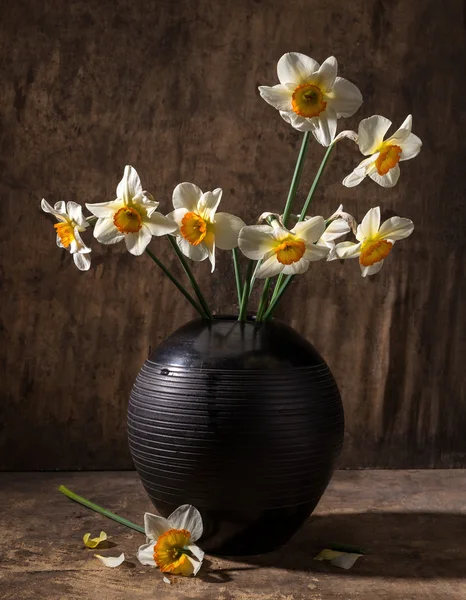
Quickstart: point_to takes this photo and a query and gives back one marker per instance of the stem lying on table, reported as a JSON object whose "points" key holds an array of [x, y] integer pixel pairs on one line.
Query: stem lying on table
{"points": [[175, 281], [99, 509], [191, 277], [239, 287]]}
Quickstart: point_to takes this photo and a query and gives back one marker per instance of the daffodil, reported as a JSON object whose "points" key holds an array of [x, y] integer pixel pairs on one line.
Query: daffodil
{"points": [[311, 97], [71, 223], [170, 542], [282, 250], [336, 227], [375, 241], [200, 227], [383, 155], [131, 217]]}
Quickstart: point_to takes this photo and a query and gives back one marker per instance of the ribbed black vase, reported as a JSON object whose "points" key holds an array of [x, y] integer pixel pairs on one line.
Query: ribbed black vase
{"points": [[244, 421]]}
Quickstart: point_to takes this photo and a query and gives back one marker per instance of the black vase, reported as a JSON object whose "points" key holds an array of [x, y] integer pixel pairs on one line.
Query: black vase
{"points": [[244, 421]]}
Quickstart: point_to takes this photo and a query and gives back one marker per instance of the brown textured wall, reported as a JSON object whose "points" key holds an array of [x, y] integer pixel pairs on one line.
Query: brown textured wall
{"points": [[171, 88]]}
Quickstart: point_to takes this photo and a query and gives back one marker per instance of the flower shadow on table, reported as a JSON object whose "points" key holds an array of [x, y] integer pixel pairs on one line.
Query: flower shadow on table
{"points": [[405, 545]]}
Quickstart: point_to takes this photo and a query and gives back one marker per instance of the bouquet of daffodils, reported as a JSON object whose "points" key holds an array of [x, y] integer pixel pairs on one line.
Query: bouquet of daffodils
{"points": [[311, 98]]}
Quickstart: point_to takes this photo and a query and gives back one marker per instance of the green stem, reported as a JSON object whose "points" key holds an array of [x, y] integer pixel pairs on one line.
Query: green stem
{"points": [[277, 287], [244, 300], [99, 509], [263, 300], [175, 281], [239, 287], [308, 201], [191, 277], [274, 303], [296, 177]]}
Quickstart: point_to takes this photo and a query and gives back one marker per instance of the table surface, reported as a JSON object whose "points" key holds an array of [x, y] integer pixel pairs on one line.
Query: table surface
{"points": [[413, 522]]}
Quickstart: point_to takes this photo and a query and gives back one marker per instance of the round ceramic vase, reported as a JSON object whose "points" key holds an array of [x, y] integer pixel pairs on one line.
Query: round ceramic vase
{"points": [[244, 421]]}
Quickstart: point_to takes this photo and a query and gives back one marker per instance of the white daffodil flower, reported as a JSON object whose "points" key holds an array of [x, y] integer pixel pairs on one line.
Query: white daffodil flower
{"points": [[201, 228], [338, 226], [71, 222], [170, 542], [383, 155], [282, 250], [311, 97], [131, 217], [375, 242]]}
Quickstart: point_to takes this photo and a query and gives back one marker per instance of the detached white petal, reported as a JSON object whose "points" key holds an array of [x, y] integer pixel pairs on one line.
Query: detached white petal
{"points": [[111, 561]]}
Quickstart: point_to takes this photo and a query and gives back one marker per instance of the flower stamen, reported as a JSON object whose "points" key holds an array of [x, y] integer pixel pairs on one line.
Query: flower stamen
{"points": [[374, 251], [65, 232], [387, 159], [290, 251], [127, 220], [308, 101], [193, 228]]}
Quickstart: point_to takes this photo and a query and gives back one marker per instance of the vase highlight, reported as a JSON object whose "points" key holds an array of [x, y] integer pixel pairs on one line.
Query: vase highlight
{"points": [[242, 420]]}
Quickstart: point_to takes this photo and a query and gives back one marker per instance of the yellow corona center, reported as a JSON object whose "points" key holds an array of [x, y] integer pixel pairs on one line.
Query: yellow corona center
{"points": [[308, 101], [374, 251], [65, 232], [193, 228], [127, 220], [387, 159], [169, 553], [290, 251]]}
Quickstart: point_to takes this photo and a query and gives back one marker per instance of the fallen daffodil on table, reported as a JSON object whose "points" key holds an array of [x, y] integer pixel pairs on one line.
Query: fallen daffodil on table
{"points": [[131, 217], [71, 223], [170, 542], [200, 227], [94, 542], [311, 97], [375, 242], [383, 155]]}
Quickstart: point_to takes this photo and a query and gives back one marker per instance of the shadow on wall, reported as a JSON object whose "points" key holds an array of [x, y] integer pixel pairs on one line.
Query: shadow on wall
{"points": [[405, 545]]}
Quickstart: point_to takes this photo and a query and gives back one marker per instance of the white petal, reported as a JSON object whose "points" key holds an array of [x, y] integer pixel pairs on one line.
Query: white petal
{"points": [[354, 178], [145, 554], [166, 580], [82, 261], [410, 147], [177, 215], [299, 123], [209, 244], [396, 228], [186, 195], [198, 554], [345, 98], [105, 209], [196, 253], [389, 179], [352, 135], [300, 266], [256, 240], [326, 127], [310, 230], [269, 268], [326, 75], [111, 561], [402, 133], [158, 225], [372, 270], [336, 229], [208, 204], [348, 250], [371, 132], [370, 225], [187, 517], [295, 67], [155, 525], [314, 252], [150, 206], [60, 207], [75, 211], [136, 243], [346, 560], [227, 228], [106, 233], [60, 215], [130, 185], [277, 96]]}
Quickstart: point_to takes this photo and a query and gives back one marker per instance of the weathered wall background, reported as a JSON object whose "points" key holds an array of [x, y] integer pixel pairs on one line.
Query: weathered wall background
{"points": [[171, 88]]}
